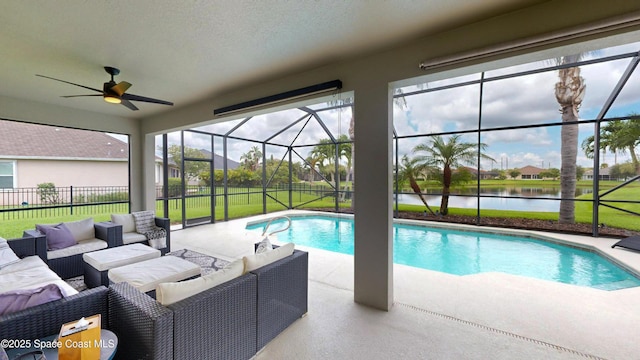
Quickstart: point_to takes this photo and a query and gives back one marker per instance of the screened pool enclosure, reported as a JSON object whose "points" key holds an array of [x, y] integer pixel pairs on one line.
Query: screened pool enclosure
{"points": [[509, 142]]}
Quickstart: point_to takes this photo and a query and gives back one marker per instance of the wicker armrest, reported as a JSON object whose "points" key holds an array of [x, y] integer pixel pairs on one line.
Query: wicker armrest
{"points": [[144, 327], [219, 322], [45, 319], [282, 294], [109, 232], [32, 243], [165, 223]]}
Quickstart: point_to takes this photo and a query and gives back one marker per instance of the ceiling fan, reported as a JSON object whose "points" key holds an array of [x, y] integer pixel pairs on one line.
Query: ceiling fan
{"points": [[114, 93]]}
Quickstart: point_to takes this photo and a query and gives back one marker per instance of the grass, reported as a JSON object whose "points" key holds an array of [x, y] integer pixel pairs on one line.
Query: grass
{"points": [[243, 205]]}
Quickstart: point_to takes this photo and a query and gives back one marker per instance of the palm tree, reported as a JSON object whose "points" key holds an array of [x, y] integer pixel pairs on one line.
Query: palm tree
{"points": [[618, 135], [352, 137], [409, 170], [569, 91], [445, 155], [325, 151], [251, 159], [312, 160]]}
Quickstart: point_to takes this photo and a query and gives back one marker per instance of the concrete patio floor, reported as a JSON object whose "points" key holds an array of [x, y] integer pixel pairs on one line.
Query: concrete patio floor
{"points": [[442, 316]]}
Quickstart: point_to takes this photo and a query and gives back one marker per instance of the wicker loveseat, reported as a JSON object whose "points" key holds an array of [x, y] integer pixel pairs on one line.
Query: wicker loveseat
{"points": [[230, 321], [90, 236], [129, 235]]}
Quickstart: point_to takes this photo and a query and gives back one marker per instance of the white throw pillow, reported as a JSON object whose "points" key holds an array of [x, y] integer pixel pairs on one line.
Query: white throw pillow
{"points": [[126, 220], [81, 229], [7, 256], [264, 246], [172, 292], [255, 261]]}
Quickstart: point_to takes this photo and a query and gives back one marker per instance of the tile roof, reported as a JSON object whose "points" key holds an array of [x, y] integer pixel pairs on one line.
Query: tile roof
{"points": [[530, 170], [24, 140]]}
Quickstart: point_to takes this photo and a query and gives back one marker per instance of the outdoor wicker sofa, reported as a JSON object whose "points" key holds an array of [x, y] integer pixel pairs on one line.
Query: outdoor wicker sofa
{"points": [[71, 265], [230, 321], [45, 319], [219, 323], [131, 236]]}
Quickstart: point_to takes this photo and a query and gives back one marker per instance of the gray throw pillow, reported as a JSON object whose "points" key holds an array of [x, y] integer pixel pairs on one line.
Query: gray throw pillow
{"points": [[145, 221]]}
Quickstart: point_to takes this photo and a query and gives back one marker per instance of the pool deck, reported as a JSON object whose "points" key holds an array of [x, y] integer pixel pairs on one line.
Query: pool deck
{"points": [[442, 316]]}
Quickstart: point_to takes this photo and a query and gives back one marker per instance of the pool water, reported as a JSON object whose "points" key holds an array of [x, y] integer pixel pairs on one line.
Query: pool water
{"points": [[463, 252]]}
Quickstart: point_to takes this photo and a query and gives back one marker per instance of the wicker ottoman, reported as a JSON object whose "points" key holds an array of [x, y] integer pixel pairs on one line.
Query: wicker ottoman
{"points": [[98, 263], [146, 275]]}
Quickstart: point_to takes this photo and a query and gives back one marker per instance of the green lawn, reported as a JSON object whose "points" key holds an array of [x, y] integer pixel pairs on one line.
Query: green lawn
{"points": [[240, 205], [243, 205]]}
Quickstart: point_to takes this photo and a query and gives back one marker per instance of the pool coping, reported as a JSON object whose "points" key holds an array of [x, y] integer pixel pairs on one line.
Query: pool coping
{"points": [[582, 242]]}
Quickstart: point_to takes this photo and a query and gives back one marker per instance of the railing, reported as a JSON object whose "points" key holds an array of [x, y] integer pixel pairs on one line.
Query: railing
{"points": [[33, 203], [46, 202]]}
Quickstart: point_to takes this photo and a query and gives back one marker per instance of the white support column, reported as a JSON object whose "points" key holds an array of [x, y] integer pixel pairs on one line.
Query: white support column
{"points": [[373, 282]]}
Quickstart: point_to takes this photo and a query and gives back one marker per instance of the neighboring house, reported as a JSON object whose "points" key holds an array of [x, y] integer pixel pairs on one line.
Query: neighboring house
{"points": [[603, 174], [33, 154], [174, 169], [484, 175], [529, 173], [218, 161]]}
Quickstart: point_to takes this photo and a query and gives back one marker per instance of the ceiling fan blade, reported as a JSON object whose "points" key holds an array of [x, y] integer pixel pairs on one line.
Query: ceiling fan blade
{"points": [[70, 96], [121, 87], [128, 104], [66, 82], [145, 99]]}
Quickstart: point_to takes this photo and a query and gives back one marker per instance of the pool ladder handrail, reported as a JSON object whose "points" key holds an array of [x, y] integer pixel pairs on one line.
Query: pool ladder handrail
{"points": [[279, 230]]}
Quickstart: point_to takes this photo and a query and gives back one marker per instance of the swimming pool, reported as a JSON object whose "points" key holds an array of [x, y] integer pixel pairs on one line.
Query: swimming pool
{"points": [[463, 252]]}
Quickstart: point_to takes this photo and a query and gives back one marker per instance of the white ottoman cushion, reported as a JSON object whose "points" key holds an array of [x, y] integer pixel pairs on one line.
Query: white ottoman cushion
{"points": [[120, 256], [146, 275]]}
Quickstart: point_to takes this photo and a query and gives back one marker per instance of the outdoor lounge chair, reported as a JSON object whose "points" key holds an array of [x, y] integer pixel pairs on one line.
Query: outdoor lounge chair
{"points": [[632, 242]]}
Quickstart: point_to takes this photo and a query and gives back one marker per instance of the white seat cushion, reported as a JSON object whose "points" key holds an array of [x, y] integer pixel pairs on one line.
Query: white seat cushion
{"points": [[119, 256], [133, 237], [29, 273], [171, 292], [82, 247], [24, 264], [146, 275]]}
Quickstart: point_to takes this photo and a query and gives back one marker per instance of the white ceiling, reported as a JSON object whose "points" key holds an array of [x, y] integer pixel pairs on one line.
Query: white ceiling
{"points": [[185, 51]]}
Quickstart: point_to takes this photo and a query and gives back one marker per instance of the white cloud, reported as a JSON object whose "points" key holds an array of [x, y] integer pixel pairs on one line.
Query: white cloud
{"points": [[508, 102]]}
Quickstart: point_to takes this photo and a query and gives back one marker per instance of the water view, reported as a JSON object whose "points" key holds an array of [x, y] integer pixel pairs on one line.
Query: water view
{"points": [[546, 198]]}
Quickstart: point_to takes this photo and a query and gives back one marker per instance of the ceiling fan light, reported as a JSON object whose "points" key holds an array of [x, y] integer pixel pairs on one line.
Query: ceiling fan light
{"points": [[112, 99]]}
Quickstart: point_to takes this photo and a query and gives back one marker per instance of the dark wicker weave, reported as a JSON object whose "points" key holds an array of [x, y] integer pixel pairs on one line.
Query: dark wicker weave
{"points": [[164, 223], [144, 327], [71, 266], [46, 319], [29, 246], [282, 295], [219, 323]]}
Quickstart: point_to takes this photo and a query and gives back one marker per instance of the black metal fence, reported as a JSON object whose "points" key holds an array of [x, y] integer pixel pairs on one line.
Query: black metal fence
{"points": [[43, 202]]}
